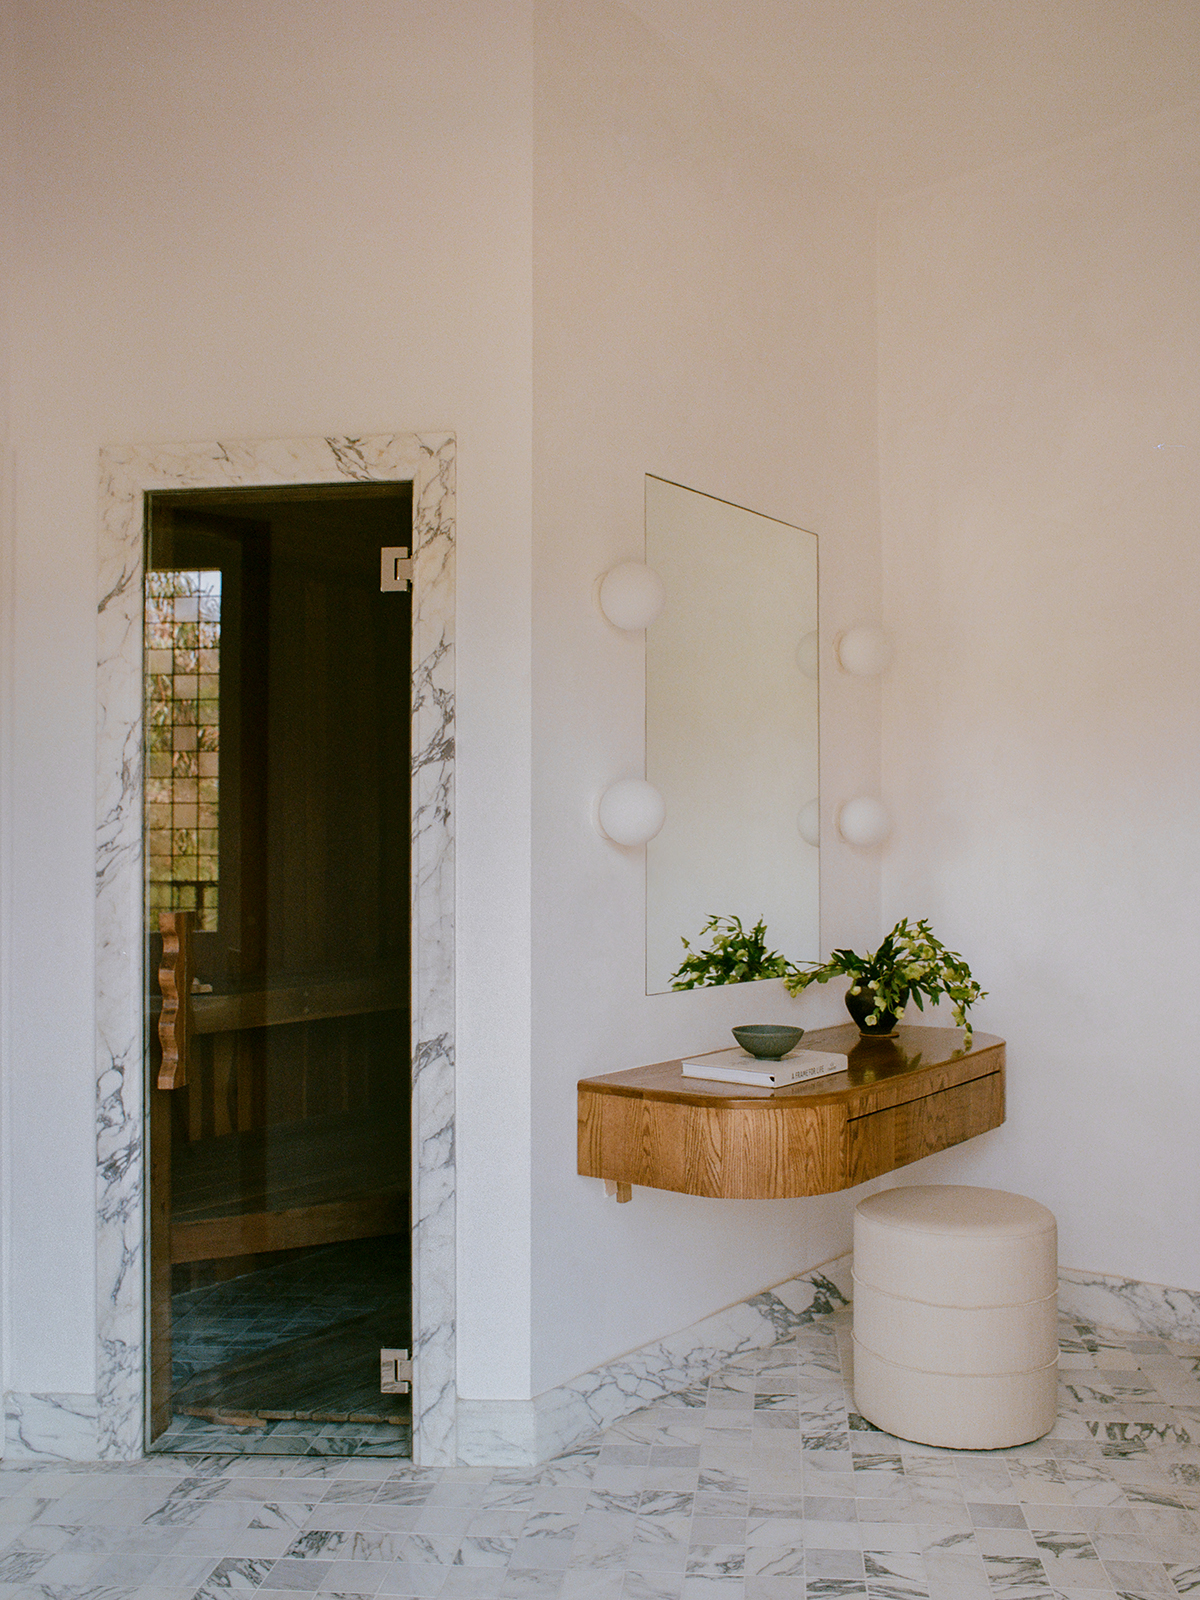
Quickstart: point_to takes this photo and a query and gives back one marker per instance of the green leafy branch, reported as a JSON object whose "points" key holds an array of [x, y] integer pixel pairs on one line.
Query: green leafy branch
{"points": [[910, 964], [733, 956]]}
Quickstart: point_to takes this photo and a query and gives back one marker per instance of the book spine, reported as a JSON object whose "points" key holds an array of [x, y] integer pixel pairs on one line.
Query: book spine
{"points": [[792, 1072], [822, 1065], [757, 1080]]}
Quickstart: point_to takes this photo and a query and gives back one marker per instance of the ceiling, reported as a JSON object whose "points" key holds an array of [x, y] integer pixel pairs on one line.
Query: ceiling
{"points": [[897, 94]]}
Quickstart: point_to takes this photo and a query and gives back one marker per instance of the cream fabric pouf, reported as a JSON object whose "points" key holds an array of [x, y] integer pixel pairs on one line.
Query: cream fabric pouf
{"points": [[956, 1316]]}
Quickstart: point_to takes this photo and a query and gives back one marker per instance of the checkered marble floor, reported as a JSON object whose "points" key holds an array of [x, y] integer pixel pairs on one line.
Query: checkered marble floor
{"points": [[761, 1484]]}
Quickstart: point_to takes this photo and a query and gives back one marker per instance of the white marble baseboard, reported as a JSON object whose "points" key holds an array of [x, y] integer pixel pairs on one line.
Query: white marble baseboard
{"points": [[65, 1427], [523, 1432], [498, 1433], [51, 1427], [1127, 1306]]}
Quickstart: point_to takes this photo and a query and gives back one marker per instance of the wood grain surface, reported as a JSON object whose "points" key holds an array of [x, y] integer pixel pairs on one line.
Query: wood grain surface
{"points": [[900, 1099], [893, 1138], [253, 1233]]}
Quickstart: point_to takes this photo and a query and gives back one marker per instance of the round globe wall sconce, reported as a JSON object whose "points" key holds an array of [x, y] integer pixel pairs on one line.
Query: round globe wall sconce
{"points": [[631, 812], [865, 651], [865, 822], [631, 595]]}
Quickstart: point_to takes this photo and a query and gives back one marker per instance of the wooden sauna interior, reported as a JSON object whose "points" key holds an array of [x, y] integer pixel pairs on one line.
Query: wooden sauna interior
{"points": [[288, 1128]]}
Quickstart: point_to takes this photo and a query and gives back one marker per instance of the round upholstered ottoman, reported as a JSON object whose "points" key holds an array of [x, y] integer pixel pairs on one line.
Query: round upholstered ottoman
{"points": [[956, 1316]]}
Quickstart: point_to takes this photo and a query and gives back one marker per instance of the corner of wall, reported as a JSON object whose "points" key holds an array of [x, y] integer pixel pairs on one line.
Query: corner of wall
{"points": [[525, 1432]]}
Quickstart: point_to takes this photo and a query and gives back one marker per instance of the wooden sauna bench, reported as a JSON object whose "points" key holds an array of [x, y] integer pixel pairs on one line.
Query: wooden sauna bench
{"points": [[319, 1164], [902, 1098], [320, 1181]]}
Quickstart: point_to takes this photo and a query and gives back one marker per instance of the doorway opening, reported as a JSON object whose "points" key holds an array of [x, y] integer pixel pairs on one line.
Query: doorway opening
{"points": [[277, 825]]}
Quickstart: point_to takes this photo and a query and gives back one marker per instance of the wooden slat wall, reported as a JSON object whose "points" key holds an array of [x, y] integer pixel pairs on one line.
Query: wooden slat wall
{"points": [[258, 1232], [260, 1077]]}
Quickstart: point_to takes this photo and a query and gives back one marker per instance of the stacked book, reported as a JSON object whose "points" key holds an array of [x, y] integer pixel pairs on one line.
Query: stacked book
{"points": [[738, 1066]]}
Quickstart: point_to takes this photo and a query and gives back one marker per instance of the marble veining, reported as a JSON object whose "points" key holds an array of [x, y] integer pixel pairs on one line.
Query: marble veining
{"points": [[114, 1430], [1126, 1304], [55, 1425], [523, 1432], [760, 1481]]}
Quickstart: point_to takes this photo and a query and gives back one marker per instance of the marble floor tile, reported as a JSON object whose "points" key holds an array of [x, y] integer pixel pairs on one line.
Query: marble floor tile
{"points": [[716, 1496], [1017, 1577], [1141, 1578], [1006, 1542], [892, 1538], [1070, 1561]]}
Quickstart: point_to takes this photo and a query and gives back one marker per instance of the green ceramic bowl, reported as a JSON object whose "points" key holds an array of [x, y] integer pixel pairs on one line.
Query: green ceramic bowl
{"points": [[768, 1040]]}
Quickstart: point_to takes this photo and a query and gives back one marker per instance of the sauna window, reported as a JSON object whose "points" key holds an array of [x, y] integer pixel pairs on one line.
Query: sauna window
{"points": [[183, 652]]}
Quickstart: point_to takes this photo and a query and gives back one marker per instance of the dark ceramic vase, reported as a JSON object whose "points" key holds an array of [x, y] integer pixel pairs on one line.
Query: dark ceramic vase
{"points": [[860, 1007]]}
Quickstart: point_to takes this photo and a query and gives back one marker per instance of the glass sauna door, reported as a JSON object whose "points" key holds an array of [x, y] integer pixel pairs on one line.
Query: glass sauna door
{"points": [[277, 849]]}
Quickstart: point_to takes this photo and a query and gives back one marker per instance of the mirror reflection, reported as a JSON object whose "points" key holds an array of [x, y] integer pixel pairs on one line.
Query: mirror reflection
{"points": [[731, 726]]}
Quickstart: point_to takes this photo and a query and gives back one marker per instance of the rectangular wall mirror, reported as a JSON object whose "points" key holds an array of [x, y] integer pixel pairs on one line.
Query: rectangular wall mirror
{"points": [[731, 726]]}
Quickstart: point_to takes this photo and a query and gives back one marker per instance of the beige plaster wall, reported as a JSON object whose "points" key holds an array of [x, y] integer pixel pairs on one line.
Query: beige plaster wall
{"points": [[1040, 472], [704, 311], [252, 222], [249, 221]]}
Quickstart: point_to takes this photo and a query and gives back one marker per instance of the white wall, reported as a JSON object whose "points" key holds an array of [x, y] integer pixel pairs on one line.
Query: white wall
{"points": [[238, 220], [1040, 474], [258, 220], [704, 311]]}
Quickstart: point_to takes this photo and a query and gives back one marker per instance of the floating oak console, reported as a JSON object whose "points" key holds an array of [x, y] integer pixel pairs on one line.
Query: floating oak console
{"points": [[902, 1098]]}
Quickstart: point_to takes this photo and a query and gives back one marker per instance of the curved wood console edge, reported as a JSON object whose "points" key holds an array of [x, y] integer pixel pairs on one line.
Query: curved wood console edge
{"points": [[902, 1099]]}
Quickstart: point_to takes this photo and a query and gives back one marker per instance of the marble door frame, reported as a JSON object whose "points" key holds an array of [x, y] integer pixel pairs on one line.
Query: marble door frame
{"points": [[127, 472]]}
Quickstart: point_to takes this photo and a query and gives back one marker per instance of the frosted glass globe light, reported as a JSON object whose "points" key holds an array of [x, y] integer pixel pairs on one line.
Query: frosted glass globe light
{"points": [[864, 822], [866, 651], [631, 812], [807, 657], [631, 595], [809, 823]]}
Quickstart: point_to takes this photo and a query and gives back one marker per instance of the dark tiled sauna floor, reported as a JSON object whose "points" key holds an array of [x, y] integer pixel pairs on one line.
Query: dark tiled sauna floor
{"points": [[286, 1360]]}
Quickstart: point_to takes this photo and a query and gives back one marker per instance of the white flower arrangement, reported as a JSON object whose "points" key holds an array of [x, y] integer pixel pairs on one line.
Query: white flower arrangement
{"points": [[909, 964]]}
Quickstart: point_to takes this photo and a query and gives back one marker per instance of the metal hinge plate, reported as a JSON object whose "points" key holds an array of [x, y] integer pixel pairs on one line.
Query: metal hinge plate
{"points": [[395, 568], [395, 1372]]}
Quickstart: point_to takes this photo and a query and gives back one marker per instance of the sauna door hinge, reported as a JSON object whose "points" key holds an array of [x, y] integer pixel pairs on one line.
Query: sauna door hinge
{"points": [[395, 568], [395, 1371]]}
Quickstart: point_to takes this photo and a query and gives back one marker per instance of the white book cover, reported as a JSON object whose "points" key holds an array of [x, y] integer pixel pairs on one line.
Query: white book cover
{"points": [[739, 1066]]}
